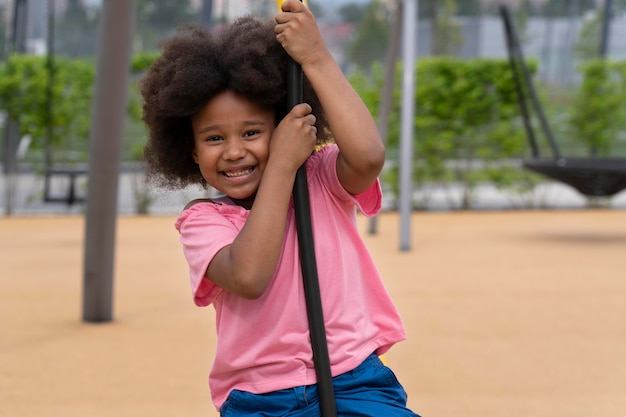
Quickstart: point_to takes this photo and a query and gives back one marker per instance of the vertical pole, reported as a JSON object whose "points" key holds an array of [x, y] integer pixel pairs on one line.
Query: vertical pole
{"points": [[49, 90], [308, 263], [109, 109], [206, 14], [388, 87], [409, 27], [606, 28], [12, 129], [20, 20]]}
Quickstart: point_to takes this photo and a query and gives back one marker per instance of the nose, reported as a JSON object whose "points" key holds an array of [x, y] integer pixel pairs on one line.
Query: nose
{"points": [[234, 149]]}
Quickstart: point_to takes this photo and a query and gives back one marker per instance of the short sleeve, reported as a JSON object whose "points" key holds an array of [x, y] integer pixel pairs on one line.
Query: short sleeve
{"points": [[324, 165], [204, 231]]}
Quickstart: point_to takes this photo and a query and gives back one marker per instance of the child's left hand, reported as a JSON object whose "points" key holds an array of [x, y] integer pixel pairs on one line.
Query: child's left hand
{"points": [[297, 32]]}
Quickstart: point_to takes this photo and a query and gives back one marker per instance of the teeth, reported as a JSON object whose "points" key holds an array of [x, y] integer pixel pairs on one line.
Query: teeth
{"points": [[238, 173]]}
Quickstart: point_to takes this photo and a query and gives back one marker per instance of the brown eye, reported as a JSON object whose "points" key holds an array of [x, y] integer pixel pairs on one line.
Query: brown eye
{"points": [[251, 133]]}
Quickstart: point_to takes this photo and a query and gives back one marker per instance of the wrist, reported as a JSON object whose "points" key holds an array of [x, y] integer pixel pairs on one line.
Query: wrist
{"points": [[319, 60], [282, 166]]}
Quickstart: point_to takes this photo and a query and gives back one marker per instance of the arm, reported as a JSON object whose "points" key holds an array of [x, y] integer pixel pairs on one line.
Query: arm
{"points": [[247, 265], [362, 153]]}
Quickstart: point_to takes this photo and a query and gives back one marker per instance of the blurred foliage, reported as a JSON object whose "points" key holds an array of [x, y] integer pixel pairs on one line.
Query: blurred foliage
{"points": [[156, 19], [24, 89], [599, 108], [587, 45], [468, 129], [24, 84], [136, 132], [446, 33], [77, 19], [141, 61], [373, 22], [371, 35], [467, 125], [466, 121], [352, 12]]}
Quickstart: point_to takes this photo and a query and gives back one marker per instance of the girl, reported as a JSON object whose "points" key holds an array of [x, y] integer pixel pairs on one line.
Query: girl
{"points": [[215, 107]]}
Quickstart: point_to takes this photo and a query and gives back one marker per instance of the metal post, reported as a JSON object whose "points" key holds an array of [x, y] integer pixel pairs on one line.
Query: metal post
{"points": [[206, 13], [109, 108], [12, 129], [49, 90], [388, 88], [606, 28], [409, 29]]}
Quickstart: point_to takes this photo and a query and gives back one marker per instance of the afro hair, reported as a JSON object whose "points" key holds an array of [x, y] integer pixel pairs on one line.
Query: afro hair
{"points": [[197, 64]]}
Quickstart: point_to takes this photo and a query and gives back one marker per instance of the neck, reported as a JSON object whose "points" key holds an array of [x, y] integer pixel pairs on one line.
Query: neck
{"points": [[244, 202]]}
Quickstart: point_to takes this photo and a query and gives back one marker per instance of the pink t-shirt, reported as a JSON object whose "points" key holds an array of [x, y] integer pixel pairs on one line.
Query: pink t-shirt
{"points": [[263, 344]]}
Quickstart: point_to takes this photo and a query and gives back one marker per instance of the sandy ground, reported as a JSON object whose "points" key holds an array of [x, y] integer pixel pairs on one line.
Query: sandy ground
{"points": [[508, 314]]}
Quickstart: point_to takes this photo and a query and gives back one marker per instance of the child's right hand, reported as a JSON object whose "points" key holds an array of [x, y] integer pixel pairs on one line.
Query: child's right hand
{"points": [[294, 138]]}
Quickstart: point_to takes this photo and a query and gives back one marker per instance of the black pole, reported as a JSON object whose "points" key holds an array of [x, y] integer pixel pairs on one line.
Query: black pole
{"points": [[517, 77], [308, 264], [516, 50]]}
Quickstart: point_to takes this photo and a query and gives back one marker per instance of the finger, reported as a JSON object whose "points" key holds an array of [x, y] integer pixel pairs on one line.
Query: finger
{"points": [[310, 119], [313, 133], [306, 108], [301, 110], [281, 18]]}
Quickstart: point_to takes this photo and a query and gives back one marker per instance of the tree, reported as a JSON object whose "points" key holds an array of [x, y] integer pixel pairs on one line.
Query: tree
{"points": [[560, 8], [588, 41], [23, 83], [445, 33], [372, 34], [469, 7], [352, 12], [157, 19], [76, 31]]}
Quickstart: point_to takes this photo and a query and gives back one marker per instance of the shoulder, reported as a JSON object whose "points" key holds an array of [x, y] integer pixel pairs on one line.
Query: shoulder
{"points": [[211, 211], [198, 200], [324, 156]]}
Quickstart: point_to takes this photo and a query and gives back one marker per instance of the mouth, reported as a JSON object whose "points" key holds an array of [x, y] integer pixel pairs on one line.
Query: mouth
{"points": [[239, 172]]}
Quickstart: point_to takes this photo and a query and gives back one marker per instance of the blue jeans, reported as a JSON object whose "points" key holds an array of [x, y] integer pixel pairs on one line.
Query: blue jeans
{"points": [[370, 390]]}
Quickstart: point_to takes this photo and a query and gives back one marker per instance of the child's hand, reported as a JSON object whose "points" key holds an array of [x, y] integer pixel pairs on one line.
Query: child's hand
{"points": [[294, 138], [297, 32]]}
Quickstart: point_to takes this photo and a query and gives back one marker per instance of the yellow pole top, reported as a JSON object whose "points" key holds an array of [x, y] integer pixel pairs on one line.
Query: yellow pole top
{"points": [[279, 2]]}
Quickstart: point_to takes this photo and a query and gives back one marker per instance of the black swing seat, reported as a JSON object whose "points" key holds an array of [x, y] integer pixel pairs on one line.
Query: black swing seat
{"points": [[591, 176]]}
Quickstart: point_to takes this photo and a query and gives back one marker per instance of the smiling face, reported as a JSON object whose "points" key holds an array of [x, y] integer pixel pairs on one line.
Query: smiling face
{"points": [[231, 144]]}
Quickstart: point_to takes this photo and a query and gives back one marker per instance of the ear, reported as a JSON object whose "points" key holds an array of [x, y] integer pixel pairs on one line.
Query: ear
{"points": [[194, 155]]}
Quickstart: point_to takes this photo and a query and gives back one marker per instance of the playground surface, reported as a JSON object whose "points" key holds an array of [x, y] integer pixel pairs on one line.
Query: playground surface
{"points": [[508, 313]]}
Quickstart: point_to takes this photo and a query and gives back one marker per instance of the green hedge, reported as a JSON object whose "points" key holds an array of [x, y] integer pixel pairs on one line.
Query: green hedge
{"points": [[598, 112], [24, 95], [468, 128], [466, 123]]}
